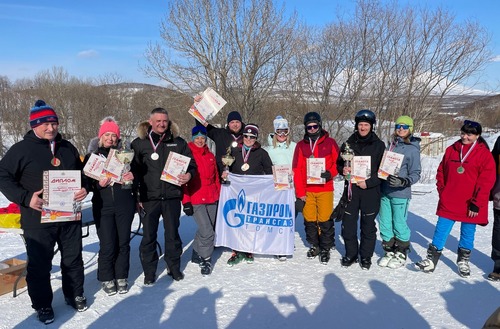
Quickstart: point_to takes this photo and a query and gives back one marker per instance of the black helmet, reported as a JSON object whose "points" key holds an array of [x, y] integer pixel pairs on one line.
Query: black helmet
{"points": [[365, 116], [312, 117]]}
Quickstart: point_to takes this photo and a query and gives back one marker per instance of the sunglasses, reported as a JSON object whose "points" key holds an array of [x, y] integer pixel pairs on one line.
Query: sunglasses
{"points": [[311, 127], [405, 127], [250, 137], [282, 132]]}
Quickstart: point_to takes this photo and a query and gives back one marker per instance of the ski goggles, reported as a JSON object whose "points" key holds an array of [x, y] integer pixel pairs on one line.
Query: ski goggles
{"points": [[282, 132], [405, 127]]}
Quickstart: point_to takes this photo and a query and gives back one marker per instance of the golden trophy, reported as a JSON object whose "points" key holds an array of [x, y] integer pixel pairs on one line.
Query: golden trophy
{"points": [[227, 160], [125, 155], [347, 155]]}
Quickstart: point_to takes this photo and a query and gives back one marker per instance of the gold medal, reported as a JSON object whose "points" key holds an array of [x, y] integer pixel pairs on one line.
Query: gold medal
{"points": [[245, 167], [55, 162], [460, 170]]}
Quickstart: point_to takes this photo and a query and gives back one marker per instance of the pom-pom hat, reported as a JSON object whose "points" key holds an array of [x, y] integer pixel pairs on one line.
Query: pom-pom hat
{"points": [[109, 125], [280, 123], [41, 113]]}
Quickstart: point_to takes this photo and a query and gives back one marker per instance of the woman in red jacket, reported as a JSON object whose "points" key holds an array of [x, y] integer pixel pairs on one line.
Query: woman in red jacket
{"points": [[201, 195], [464, 177]]}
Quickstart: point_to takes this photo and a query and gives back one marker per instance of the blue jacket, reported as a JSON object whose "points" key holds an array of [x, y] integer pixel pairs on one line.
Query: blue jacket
{"points": [[410, 167]]}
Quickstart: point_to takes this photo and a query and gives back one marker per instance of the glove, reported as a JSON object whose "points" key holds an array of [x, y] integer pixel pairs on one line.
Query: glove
{"points": [[225, 182], [327, 175], [395, 181], [188, 209], [473, 207], [299, 205]]}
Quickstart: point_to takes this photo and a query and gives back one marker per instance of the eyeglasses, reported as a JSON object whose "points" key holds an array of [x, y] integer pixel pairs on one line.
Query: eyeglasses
{"points": [[405, 127], [471, 124], [311, 127], [250, 137], [282, 132]]}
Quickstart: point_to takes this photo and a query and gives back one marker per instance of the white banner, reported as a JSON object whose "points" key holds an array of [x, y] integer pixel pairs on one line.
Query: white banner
{"points": [[254, 217]]}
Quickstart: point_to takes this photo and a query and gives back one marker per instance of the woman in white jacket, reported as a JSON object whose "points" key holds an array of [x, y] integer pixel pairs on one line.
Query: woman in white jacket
{"points": [[280, 148]]}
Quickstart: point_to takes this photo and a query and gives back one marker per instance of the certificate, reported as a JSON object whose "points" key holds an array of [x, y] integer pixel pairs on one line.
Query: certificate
{"points": [[113, 167], [390, 164], [360, 168], [315, 166], [282, 176], [59, 187], [209, 105], [175, 166], [94, 168]]}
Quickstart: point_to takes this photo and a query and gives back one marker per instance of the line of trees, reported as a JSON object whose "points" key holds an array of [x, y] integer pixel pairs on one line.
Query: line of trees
{"points": [[265, 62]]}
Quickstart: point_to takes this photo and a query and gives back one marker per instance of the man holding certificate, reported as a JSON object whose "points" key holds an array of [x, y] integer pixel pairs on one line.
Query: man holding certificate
{"points": [[21, 181], [158, 139]]}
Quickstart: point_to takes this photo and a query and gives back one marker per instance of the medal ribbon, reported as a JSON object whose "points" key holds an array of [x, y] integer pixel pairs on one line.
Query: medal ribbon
{"points": [[245, 154], [466, 154], [153, 145], [311, 146]]}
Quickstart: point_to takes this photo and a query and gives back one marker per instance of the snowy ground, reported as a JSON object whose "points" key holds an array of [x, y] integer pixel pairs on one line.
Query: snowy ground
{"points": [[298, 293]]}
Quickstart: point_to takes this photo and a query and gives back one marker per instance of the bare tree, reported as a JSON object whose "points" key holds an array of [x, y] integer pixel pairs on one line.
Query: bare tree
{"points": [[237, 47]]}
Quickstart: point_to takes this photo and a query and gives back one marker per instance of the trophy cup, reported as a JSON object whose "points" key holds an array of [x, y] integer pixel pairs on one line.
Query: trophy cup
{"points": [[125, 155], [227, 160], [347, 155]]}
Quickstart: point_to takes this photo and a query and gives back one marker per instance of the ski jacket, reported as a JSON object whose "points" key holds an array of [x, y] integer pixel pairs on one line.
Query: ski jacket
{"points": [[111, 195], [282, 153], [495, 192], [21, 172], [223, 138], [371, 146], [259, 161], [147, 171], [410, 168], [204, 187], [457, 191], [326, 147]]}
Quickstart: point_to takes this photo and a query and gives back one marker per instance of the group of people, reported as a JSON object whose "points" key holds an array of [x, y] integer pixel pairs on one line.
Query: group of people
{"points": [[465, 178]]}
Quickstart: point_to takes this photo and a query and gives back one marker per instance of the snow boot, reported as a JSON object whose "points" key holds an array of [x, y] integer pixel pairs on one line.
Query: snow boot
{"points": [[399, 259], [346, 261], [463, 258], [313, 252], [235, 258], [122, 286], [388, 247], [195, 258], [324, 256], [365, 263], [109, 287], [428, 265], [206, 266]]}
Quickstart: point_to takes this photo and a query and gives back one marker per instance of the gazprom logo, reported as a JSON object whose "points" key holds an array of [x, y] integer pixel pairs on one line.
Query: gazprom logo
{"points": [[240, 211]]}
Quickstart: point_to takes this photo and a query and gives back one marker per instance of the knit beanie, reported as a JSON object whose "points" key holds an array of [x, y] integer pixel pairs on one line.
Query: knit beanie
{"points": [[405, 120], [234, 115], [251, 129], [198, 131], [280, 123], [41, 113], [109, 125]]}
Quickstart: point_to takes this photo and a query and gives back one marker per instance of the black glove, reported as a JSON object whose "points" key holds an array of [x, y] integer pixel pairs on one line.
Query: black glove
{"points": [[327, 175], [188, 209], [225, 182], [473, 207], [395, 181], [299, 205]]}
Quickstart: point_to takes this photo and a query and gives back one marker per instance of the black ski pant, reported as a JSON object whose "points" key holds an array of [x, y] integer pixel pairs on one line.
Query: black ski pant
{"points": [[364, 206], [495, 241], [170, 210], [113, 225], [40, 243]]}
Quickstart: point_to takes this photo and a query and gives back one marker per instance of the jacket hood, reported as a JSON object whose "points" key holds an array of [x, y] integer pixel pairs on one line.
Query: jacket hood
{"points": [[94, 145], [144, 127], [414, 141]]}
